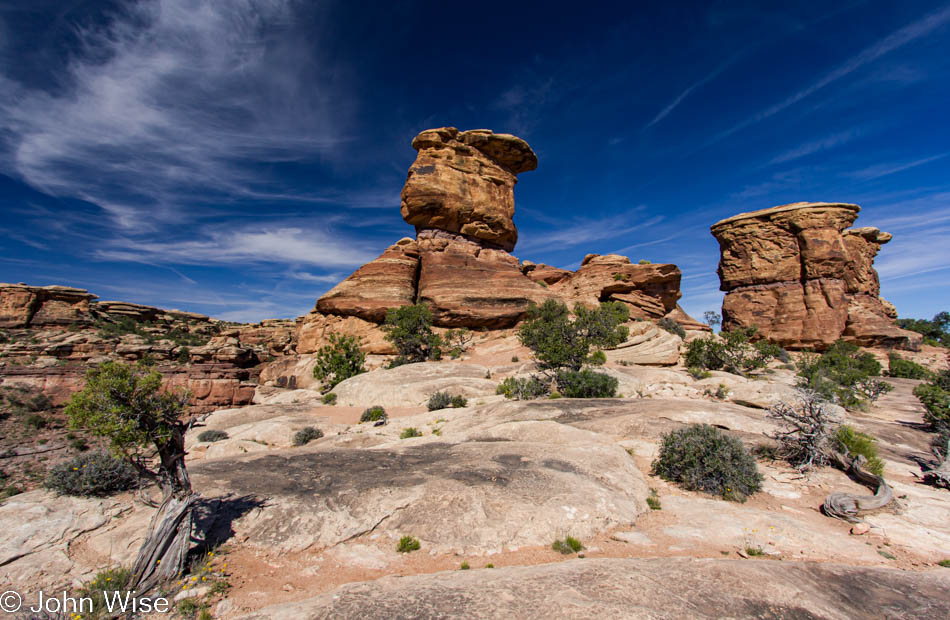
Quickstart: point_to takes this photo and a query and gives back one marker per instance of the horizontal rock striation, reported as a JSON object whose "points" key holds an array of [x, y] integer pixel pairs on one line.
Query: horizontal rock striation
{"points": [[799, 275]]}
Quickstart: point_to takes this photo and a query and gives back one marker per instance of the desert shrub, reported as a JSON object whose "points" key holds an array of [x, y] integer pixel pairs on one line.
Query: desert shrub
{"points": [[935, 331], [653, 500], [526, 388], [306, 435], [329, 398], [457, 341], [212, 435], [184, 355], [712, 318], [407, 544], [102, 588], [783, 356], [560, 341], [698, 373], [806, 431], [842, 374], [339, 360], [465, 566], [586, 384], [702, 458], [936, 401], [672, 326], [409, 328], [514, 358], [643, 261], [459, 401], [439, 400], [852, 443], [374, 414], [409, 433], [731, 351], [567, 546], [906, 369], [35, 421], [93, 474]]}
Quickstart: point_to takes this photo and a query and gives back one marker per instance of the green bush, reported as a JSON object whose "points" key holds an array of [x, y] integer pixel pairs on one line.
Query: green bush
{"points": [[854, 442], [374, 414], [329, 398], [35, 421], [842, 374], [439, 400], [409, 433], [409, 328], [567, 546], [906, 369], [731, 351], [560, 341], [672, 326], [935, 331], [407, 544], [306, 435], [459, 401], [936, 401], [102, 589], [526, 388], [93, 474], [212, 435], [586, 384], [702, 458], [339, 360], [457, 341]]}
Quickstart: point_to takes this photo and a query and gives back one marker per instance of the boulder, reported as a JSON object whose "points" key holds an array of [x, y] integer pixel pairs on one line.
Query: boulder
{"points": [[37, 306], [796, 274], [651, 290], [464, 183], [648, 345]]}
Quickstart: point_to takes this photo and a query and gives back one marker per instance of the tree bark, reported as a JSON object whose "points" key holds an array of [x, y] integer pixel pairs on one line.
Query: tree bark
{"points": [[940, 475], [846, 506]]}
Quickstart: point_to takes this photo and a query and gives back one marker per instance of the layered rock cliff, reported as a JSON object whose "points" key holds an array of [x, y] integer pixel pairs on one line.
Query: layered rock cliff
{"points": [[804, 279], [459, 195]]}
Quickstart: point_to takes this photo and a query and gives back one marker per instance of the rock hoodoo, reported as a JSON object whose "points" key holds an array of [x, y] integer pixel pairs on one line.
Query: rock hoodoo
{"points": [[798, 274], [459, 194]]}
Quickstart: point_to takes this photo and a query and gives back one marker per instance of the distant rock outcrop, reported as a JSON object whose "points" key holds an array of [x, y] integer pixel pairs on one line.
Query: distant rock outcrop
{"points": [[797, 274], [459, 194]]}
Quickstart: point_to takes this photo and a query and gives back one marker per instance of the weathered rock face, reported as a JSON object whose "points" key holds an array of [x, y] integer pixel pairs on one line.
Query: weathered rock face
{"points": [[467, 284], [464, 183], [23, 306], [802, 279], [651, 291], [387, 282]]}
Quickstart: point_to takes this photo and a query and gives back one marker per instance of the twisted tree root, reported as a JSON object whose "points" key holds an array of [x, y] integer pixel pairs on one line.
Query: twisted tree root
{"points": [[846, 506], [940, 475]]}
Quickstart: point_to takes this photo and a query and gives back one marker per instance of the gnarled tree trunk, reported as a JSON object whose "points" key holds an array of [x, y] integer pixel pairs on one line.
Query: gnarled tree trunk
{"points": [[940, 475], [846, 506]]}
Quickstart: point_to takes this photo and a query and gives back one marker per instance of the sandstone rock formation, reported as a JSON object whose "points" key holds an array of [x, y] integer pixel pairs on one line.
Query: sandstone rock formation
{"points": [[22, 305], [459, 194], [797, 274]]}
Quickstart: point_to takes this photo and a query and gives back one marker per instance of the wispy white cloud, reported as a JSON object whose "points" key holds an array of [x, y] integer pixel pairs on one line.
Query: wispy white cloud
{"points": [[165, 104], [893, 41], [584, 230], [292, 245], [880, 170], [822, 144], [683, 95]]}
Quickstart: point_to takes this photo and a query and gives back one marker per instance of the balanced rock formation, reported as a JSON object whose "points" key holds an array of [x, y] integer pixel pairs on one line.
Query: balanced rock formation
{"points": [[797, 274], [459, 194]]}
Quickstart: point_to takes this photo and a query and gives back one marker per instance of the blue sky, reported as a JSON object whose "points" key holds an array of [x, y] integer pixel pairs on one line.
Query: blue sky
{"points": [[239, 158]]}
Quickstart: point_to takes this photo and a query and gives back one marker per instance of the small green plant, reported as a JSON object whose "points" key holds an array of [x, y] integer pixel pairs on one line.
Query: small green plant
{"points": [[329, 398], [514, 358], [92, 474], [936, 402], [906, 369], [944, 563], [464, 566], [702, 458], [457, 341], [586, 384], [754, 551], [409, 433], [409, 329], [698, 373], [653, 500], [842, 374], [339, 360], [407, 544], [490, 565], [619, 277], [886, 555], [184, 355], [306, 435], [554, 395], [567, 546], [102, 587], [526, 388], [35, 421], [852, 443], [672, 326], [459, 401], [439, 400], [644, 261], [212, 435], [732, 351], [374, 414]]}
